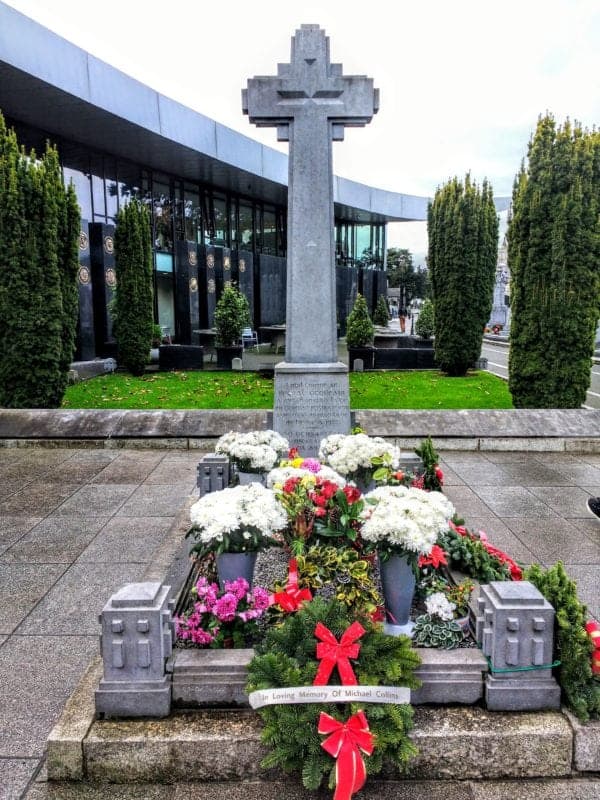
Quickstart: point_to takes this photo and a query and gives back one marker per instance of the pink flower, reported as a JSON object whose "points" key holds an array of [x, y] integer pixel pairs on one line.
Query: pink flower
{"points": [[261, 598], [238, 587], [311, 464], [225, 607], [201, 637]]}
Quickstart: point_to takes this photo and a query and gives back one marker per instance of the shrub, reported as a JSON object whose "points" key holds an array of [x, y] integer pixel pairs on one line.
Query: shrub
{"points": [[232, 315], [359, 328], [424, 325], [381, 316]]}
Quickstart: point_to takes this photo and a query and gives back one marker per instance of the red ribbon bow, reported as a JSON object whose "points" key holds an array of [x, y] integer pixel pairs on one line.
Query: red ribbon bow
{"points": [[336, 654], [291, 598], [345, 743]]}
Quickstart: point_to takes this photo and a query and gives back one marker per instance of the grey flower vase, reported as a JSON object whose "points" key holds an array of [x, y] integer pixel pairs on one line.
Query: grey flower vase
{"points": [[231, 566], [245, 478], [398, 582]]}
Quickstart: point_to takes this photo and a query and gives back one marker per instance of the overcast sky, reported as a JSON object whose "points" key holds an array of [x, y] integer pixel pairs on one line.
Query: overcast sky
{"points": [[462, 81]]}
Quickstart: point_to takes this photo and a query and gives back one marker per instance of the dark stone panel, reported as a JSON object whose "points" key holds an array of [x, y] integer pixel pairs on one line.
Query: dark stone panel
{"points": [[272, 289], [86, 339], [211, 285], [187, 307], [202, 287], [379, 283], [243, 274], [368, 288], [346, 281], [404, 358], [219, 254], [104, 281], [180, 356]]}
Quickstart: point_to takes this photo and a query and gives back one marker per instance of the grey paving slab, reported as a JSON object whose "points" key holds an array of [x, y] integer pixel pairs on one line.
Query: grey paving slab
{"points": [[82, 791], [588, 581], [589, 526], [500, 535], [9, 487], [131, 539], [100, 457], [174, 471], [98, 500], [3, 638], [466, 502], [21, 587], [510, 457], [450, 476], [12, 528], [533, 474], [484, 475], [73, 604], [568, 501], [38, 499], [584, 475], [553, 539], [57, 539], [128, 468], [37, 675], [15, 774], [156, 501], [513, 501], [73, 472], [537, 790]]}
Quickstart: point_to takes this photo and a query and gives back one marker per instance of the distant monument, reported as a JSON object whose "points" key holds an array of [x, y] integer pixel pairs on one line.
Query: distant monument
{"points": [[310, 102]]}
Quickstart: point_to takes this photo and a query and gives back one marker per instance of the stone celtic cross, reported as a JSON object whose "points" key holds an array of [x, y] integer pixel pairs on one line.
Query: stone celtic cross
{"points": [[310, 101]]}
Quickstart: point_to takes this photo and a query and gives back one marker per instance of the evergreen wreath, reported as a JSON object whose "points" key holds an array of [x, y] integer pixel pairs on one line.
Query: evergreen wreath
{"points": [[287, 658]]}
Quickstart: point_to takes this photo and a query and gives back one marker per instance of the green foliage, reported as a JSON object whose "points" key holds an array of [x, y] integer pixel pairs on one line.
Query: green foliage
{"points": [[39, 226], [429, 631], [467, 554], [381, 316], [425, 324], [553, 256], [463, 241], [133, 301], [359, 328], [232, 315], [581, 692], [287, 658], [344, 570], [431, 473]]}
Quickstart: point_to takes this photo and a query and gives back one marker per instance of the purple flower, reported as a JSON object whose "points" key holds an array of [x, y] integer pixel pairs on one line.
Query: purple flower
{"points": [[261, 597], [238, 587], [225, 607], [311, 464]]}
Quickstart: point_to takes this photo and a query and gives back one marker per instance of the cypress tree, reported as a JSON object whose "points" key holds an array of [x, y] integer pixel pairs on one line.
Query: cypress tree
{"points": [[133, 301], [553, 255], [34, 352], [463, 238]]}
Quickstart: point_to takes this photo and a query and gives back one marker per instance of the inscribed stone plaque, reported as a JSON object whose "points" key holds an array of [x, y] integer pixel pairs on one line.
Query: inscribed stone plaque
{"points": [[329, 694]]}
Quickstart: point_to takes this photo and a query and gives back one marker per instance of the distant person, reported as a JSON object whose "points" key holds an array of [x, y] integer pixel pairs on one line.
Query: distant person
{"points": [[403, 313], [593, 504]]}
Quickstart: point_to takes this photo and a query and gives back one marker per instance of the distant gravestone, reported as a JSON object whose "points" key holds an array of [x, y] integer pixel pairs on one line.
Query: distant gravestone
{"points": [[236, 364], [310, 101], [358, 365]]}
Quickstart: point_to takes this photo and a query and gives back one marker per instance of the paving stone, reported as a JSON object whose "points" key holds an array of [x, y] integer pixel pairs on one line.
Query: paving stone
{"points": [[97, 500], [588, 580], [12, 528], [531, 474], [156, 501], [57, 539], [9, 487], [21, 587], [74, 603], [127, 539], [3, 638], [15, 773], [31, 698], [568, 501], [584, 474], [513, 501], [466, 502], [100, 457], [450, 476], [128, 468], [514, 457], [537, 790], [73, 472], [502, 537], [39, 499], [484, 475], [554, 539], [174, 471], [83, 791]]}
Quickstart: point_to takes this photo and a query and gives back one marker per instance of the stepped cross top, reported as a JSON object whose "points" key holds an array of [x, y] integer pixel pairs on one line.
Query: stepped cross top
{"points": [[310, 102]]}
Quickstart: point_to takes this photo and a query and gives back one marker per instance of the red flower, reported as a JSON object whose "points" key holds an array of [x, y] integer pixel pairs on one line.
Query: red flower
{"points": [[290, 485], [352, 494], [399, 476], [293, 453], [318, 499], [460, 529], [379, 614], [328, 489], [320, 512], [439, 474], [434, 559]]}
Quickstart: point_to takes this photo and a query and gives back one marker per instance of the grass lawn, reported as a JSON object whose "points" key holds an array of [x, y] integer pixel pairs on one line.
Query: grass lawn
{"points": [[428, 389]]}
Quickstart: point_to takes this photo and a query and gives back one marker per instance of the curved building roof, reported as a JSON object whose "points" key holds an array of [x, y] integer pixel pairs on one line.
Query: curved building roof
{"points": [[48, 82]]}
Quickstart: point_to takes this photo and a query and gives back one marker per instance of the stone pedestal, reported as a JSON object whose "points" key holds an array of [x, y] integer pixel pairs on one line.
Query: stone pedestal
{"points": [[213, 474], [515, 628], [311, 402], [136, 640]]}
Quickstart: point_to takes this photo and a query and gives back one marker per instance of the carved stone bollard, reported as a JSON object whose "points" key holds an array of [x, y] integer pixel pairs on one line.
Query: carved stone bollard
{"points": [[213, 474], [515, 628], [137, 638]]}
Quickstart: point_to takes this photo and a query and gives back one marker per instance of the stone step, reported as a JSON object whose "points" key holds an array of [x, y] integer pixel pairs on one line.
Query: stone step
{"points": [[224, 745]]}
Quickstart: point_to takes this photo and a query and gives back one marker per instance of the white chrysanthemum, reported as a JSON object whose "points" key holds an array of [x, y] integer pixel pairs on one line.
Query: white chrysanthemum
{"points": [[236, 509], [405, 518], [438, 605], [249, 450], [279, 475], [348, 454]]}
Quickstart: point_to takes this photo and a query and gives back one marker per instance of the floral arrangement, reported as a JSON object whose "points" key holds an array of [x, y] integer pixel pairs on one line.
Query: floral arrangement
{"points": [[356, 456], [225, 618], [438, 605], [256, 451], [473, 554], [241, 519], [404, 521], [279, 475]]}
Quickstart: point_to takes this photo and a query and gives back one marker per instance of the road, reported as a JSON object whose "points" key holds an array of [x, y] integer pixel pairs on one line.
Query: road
{"points": [[497, 356]]}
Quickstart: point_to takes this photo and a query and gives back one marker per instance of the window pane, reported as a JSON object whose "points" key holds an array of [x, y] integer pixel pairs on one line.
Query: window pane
{"points": [[112, 189], [162, 210], [269, 242], [76, 168], [245, 230], [97, 171], [192, 216], [363, 244], [220, 216]]}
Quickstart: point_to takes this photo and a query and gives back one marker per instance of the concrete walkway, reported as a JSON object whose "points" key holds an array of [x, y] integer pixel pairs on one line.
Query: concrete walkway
{"points": [[75, 524]]}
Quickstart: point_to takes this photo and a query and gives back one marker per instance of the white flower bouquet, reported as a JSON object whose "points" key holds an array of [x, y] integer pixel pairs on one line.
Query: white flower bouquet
{"points": [[278, 476], [404, 521], [243, 519], [255, 451], [358, 455]]}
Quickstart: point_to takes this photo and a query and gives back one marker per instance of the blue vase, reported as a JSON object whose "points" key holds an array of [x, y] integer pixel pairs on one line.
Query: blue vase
{"points": [[231, 566], [398, 582]]}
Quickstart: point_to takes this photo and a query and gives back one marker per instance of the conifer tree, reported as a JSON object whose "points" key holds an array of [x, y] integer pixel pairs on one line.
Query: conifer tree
{"points": [[553, 256], [36, 337], [381, 316], [463, 239], [133, 302]]}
